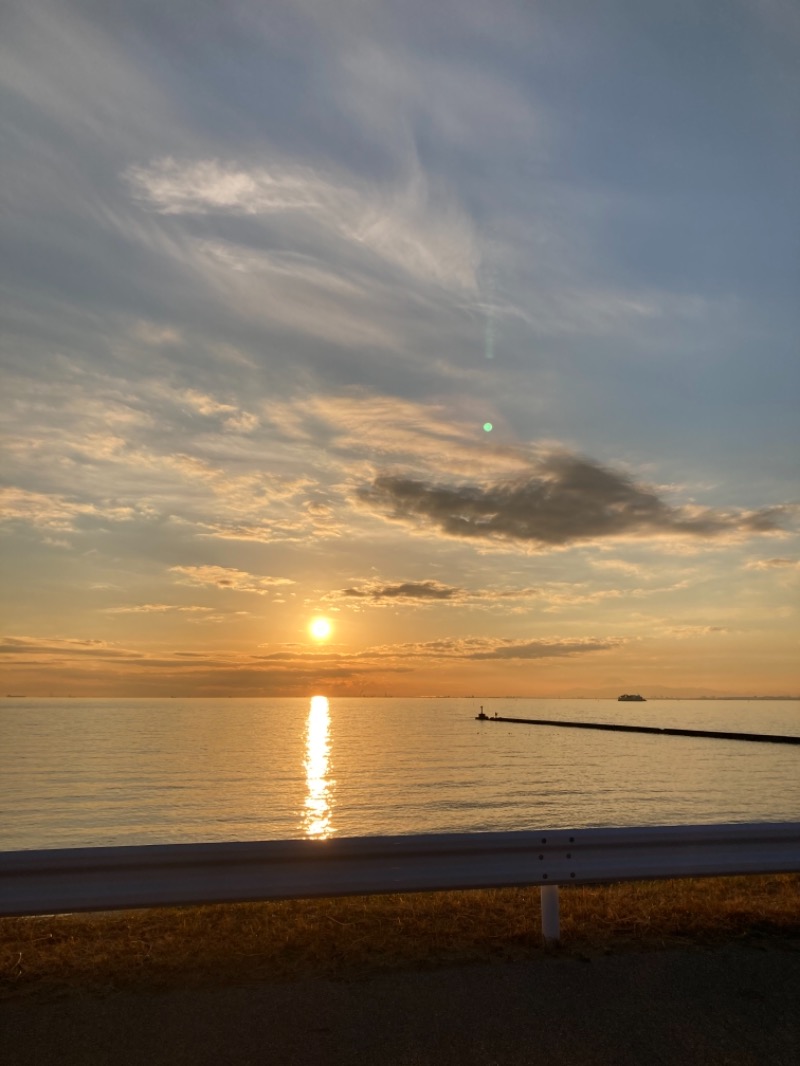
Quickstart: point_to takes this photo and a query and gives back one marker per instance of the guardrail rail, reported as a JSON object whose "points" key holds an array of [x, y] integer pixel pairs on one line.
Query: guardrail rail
{"points": [[166, 875]]}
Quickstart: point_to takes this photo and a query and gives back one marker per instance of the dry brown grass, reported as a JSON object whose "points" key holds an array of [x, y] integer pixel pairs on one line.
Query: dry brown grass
{"points": [[264, 941]]}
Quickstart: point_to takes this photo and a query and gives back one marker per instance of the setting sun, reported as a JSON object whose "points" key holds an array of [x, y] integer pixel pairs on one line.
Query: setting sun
{"points": [[320, 628]]}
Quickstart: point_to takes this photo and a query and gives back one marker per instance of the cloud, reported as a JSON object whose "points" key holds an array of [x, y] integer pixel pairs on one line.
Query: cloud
{"points": [[475, 649], [88, 449], [619, 566], [97, 666], [156, 608], [55, 511], [542, 649], [406, 226], [261, 533], [229, 578], [690, 632], [466, 649], [61, 61], [65, 648], [156, 335], [404, 590], [548, 597], [208, 186], [209, 407], [394, 428], [773, 564], [566, 499]]}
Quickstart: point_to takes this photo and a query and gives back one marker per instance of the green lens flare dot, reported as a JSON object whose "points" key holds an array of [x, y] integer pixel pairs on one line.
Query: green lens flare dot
{"points": [[487, 427]]}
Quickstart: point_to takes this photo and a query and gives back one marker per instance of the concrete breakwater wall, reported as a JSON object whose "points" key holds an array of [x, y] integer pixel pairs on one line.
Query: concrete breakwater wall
{"points": [[764, 738]]}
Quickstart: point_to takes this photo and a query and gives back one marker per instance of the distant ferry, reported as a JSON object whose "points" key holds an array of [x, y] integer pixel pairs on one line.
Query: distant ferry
{"points": [[631, 698]]}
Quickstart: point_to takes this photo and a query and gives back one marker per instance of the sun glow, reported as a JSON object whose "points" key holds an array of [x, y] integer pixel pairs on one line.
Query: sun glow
{"points": [[320, 628]]}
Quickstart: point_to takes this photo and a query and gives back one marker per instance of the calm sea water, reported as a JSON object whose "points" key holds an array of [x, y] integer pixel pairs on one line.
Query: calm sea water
{"points": [[93, 772]]}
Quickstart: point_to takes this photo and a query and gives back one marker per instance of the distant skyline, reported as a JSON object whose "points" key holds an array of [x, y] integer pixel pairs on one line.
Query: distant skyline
{"points": [[471, 329]]}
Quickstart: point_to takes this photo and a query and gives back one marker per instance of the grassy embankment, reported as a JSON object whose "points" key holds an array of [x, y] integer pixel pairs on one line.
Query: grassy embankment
{"points": [[357, 935]]}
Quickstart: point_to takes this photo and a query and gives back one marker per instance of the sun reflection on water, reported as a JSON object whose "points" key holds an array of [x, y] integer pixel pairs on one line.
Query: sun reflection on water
{"points": [[317, 813]]}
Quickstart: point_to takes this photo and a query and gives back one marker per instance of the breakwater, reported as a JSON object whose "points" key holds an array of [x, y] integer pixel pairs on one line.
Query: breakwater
{"points": [[762, 738]]}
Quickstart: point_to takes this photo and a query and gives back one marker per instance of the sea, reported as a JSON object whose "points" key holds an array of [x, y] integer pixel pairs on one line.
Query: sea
{"points": [[92, 772]]}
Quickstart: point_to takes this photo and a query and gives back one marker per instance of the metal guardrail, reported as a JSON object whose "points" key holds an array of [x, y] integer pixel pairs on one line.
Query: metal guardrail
{"points": [[165, 875]]}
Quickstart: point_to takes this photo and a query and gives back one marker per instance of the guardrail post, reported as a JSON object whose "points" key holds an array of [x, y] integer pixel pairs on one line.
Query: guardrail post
{"points": [[550, 927]]}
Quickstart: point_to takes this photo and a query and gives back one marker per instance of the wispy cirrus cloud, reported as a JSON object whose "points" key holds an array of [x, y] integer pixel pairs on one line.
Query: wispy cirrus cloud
{"points": [[547, 597], [157, 608], [405, 226], [447, 649], [230, 414], [366, 430], [55, 511], [286, 668], [191, 613], [773, 564], [229, 578], [484, 648], [65, 648], [543, 649], [690, 632], [148, 451]]}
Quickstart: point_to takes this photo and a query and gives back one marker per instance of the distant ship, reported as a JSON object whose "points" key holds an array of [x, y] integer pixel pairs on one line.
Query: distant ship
{"points": [[631, 698]]}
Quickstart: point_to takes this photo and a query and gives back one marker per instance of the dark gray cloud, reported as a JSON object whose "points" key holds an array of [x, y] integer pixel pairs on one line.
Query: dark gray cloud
{"points": [[565, 499], [404, 590]]}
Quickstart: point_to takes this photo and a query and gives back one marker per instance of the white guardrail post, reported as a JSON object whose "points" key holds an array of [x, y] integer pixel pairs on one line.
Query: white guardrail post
{"points": [[169, 875]]}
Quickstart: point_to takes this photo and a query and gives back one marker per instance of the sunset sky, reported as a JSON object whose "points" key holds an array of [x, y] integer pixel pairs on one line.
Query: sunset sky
{"points": [[470, 327]]}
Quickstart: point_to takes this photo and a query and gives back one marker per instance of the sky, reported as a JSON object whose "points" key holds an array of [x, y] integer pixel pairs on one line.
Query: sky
{"points": [[471, 328]]}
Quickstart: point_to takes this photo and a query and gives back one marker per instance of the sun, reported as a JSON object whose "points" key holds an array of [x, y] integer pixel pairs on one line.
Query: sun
{"points": [[320, 628]]}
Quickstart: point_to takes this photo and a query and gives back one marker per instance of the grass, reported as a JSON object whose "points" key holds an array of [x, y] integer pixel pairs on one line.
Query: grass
{"points": [[357, 935]]}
